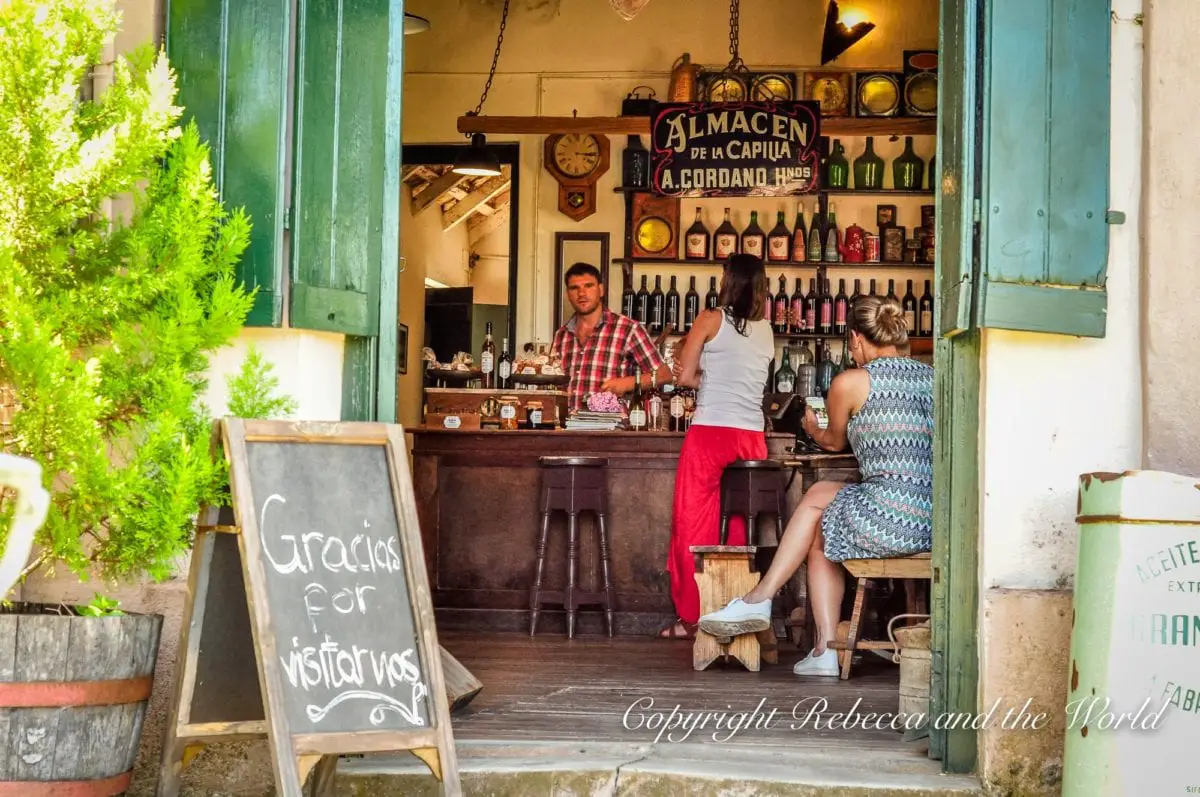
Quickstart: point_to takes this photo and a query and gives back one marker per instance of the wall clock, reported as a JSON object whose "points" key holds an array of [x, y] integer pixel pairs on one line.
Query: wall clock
{"points": [[576, 161]]}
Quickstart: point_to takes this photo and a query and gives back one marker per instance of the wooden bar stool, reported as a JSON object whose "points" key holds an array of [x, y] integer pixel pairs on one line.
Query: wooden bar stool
{"points": [[913, 569], [572, 485], [753, 487]]}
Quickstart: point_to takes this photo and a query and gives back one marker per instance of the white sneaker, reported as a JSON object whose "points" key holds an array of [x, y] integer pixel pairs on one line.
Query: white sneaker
{"points": [[737, 618], [826, 664]]}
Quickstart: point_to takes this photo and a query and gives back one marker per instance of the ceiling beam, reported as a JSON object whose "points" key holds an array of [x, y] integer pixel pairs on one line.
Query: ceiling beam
{"points": [[469, 204], [479, 227], [439, 186]]}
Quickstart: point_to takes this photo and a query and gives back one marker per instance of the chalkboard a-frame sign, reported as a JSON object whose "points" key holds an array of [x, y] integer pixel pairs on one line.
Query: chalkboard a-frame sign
{"points": [[317, 577]]}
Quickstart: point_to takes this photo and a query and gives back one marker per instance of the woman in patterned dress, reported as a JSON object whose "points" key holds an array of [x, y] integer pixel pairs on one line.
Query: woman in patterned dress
{"points": [[884, 410]]}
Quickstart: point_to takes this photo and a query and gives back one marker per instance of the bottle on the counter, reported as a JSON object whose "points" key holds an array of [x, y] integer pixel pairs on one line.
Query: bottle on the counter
{"points": [[676, 408], [637, 405], [785, 377], [712, 298], [504, 367], [487, 359]]}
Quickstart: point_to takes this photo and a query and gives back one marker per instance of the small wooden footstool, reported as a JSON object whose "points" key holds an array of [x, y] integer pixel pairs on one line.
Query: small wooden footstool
{"points": [[912, 569], [725, 572]]}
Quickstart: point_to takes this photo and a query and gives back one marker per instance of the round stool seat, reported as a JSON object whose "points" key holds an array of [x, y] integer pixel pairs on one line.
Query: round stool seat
{"points": [[572, 462], [755, 464]]}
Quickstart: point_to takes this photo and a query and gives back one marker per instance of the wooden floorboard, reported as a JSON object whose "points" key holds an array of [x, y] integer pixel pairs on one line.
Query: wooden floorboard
{"points": [[550, 689]]}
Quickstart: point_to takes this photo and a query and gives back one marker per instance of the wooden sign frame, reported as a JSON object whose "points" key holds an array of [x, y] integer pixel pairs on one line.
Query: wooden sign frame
{"points": [[195, 722]]}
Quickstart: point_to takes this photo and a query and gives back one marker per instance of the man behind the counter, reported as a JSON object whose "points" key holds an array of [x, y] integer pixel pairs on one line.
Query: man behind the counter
{"points": [[598, 347]]}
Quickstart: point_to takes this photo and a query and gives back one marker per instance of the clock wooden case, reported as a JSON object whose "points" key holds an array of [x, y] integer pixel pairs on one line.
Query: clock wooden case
{"points": [[576, 161]]}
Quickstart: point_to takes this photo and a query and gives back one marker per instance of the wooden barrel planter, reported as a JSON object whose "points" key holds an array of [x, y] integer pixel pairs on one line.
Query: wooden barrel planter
{"points": [[73, 695]]}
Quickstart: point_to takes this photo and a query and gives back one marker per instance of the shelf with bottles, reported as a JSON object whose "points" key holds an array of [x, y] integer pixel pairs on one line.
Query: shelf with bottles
{"points": [[772, 264]]}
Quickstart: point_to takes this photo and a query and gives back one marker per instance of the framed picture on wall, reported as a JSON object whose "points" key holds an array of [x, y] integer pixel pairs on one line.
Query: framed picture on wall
{"points": [[401, 349], [578, 247]]}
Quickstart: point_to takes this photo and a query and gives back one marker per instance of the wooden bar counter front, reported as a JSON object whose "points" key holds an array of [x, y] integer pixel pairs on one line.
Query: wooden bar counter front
{"points": [[477, 496]]}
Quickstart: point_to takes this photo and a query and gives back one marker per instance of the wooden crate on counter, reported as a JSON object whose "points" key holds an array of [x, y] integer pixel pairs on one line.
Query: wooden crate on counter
{"points": [[466, 404]]}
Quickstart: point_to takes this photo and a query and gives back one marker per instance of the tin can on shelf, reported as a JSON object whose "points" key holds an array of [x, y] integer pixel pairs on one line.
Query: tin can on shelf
{"points": [[872, 248]]}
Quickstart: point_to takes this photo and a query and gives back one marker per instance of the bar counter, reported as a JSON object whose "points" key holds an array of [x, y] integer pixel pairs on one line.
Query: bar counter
{"points": [[477, 499]]}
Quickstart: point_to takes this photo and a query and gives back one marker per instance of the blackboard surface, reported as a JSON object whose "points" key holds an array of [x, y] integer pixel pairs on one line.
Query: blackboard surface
{"points": [[339, 607]]}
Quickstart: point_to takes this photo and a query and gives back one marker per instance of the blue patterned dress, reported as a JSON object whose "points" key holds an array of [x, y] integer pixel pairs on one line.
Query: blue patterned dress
{"points": [[890, 512]]}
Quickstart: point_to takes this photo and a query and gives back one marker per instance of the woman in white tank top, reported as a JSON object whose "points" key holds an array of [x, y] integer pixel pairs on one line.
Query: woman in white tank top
{"points": [[726, 357]]}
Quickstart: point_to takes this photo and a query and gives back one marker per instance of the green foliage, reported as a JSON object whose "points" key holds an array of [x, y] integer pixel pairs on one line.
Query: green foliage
{"points": [[106, 328], [252, 390], [101, 607]]}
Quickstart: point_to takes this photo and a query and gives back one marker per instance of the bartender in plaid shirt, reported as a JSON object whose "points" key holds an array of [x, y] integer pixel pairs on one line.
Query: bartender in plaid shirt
{"points": [[599, 348]]}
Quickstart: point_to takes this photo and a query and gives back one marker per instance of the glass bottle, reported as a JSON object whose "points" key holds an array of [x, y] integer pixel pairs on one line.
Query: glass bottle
{"points": [[712, 298], [925, 314], [909, 305], [780, 312], [837, 170], [785, 377], [841, 307], [825, 310], [658, 306], [691, 305], [637, 405], [487, 359], [891, 294], [796, 307], [908, 171], [697, 240], [816, 237], [642, 304], [754, 240], [629, 300], [673, 318], [868, 169], [635, 164], [932, 172], [832, 253], [504, 367], [725, 241], [810, 307], [799, 238], [779, 241]]}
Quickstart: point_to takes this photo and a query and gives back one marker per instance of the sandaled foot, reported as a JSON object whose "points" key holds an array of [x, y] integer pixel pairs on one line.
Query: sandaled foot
{"points": [[677, 629]]}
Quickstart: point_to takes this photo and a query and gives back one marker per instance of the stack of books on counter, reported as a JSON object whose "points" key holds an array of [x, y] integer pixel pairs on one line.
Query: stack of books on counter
{"points": [[588, 421]]}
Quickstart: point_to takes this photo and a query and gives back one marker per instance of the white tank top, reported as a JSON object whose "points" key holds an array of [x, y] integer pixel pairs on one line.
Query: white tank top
{"points": [[734, 371]]}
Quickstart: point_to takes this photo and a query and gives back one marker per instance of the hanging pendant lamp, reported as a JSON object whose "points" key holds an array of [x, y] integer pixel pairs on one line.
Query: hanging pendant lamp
{"points": [[477, 160], [414, 24]]}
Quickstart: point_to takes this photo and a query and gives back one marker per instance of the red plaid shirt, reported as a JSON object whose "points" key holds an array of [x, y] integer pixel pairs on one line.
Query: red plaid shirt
{"points": [[616, 344]]}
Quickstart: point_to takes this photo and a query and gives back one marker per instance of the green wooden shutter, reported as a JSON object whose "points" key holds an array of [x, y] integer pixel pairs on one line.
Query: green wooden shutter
{"points": [[232, 61], [341, 169], [1046, 166]]}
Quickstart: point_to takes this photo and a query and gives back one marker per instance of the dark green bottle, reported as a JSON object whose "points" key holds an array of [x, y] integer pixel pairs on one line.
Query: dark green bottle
{"points": [[837, 170], [932, 173], [868, 169], [908, 171]]}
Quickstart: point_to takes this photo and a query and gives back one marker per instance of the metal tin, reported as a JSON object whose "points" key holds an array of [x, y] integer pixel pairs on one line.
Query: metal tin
{"points": [[872, 248]]}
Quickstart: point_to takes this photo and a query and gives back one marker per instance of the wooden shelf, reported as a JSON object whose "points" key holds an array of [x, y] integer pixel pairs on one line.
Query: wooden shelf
{"points": [[883, 192], [650, 261], [640, 125]]}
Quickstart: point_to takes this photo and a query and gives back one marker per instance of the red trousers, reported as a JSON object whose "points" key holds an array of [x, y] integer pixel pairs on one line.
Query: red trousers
{"points": [[697, 511]]}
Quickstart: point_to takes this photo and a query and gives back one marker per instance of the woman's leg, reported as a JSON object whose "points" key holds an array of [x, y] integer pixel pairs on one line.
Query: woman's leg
{"points": [[826, 588], [803, 527]]}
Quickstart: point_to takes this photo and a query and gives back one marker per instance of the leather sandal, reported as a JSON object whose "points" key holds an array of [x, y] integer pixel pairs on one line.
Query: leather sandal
{"points": [[671, 630]]}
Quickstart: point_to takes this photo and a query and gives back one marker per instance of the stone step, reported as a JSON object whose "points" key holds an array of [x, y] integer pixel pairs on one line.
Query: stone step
{"points": [[581, 769]]}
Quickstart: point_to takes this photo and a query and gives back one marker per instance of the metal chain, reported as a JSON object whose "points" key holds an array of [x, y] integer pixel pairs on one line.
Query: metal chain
{"points": [[495, 60], [735, 60]]}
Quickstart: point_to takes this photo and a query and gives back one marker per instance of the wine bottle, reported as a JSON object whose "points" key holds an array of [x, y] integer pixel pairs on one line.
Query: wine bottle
{"points": [[837, 170], [785, 377], [816, 238], [725, 241], [769, 306], [841, 306], [712, 298], [891, 294], [857, 292], [487, 359], [780, 313], [779, 241], [868, 169], [925, 314], [754, 240], [637, 405], [825, 310], [658, 306], [909, 305], [810, 307], [796, 307], [691, 305], [832, 253], [873, 293], [642, 305], [799, 238], [673, 317], [908, 171], [504, 367], [697, 240], [628, 300]]}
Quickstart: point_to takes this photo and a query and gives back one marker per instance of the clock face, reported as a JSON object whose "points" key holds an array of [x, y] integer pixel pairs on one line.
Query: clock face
{"points": [[577, 154], [654, 234], [726, 89], [771, 87], [829, 93]]}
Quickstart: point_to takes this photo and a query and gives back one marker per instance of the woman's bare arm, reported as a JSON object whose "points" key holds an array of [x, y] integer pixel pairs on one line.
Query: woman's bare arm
{"points": [[703, 330], [846, 394]]}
